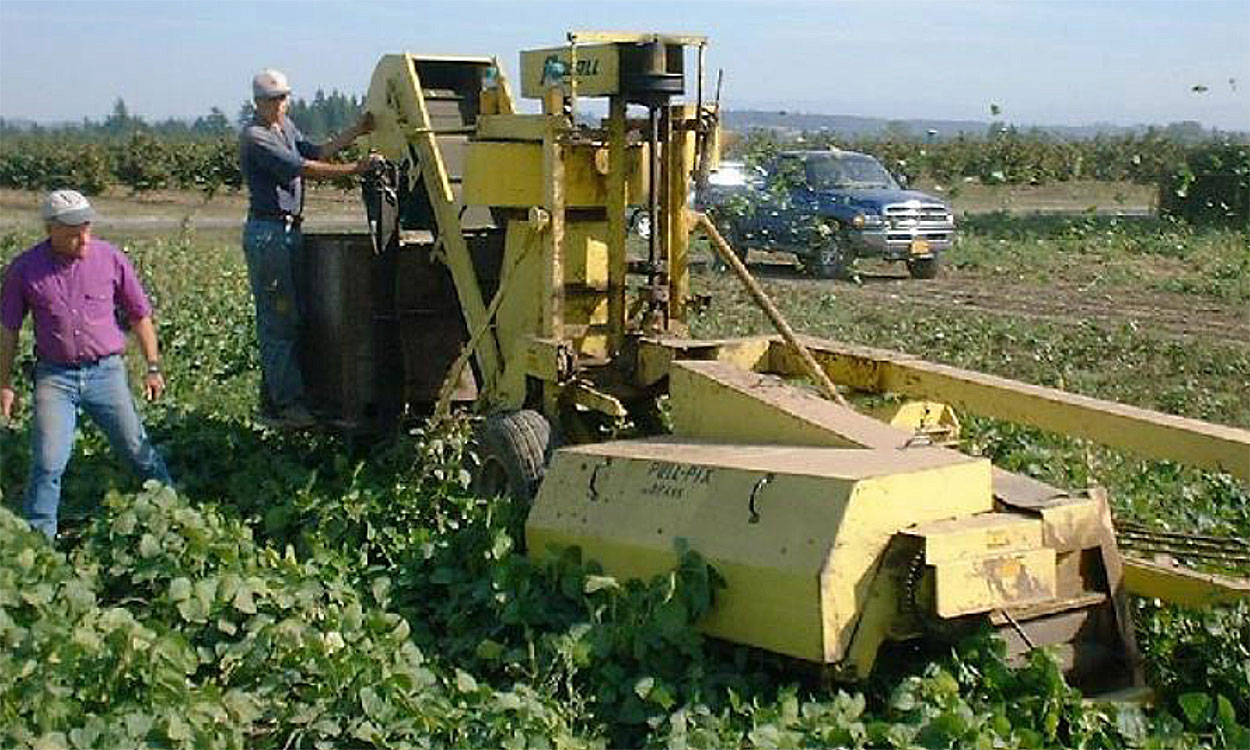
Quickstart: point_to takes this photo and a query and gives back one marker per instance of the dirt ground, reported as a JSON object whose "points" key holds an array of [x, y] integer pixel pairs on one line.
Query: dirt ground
{"points": [[163, 211], [329, 208], [1171, 314], [1168, 314], [1060, 197]]}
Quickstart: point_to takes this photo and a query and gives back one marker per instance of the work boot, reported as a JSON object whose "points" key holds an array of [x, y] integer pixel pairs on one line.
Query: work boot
{"points": [[294, 417]]}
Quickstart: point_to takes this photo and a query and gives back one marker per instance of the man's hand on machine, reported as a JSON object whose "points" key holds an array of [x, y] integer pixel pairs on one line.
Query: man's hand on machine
{"points": [[371, 163]]}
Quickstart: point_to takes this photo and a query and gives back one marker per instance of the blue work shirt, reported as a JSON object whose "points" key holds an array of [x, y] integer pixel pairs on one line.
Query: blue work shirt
{"points": [[271, 161]]}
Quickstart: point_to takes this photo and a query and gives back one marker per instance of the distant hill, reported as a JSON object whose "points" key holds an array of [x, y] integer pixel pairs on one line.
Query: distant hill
{"points": [[851, 126]]}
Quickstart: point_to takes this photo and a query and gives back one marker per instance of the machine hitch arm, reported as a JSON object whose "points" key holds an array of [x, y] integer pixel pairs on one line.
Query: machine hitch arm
{"points": [[757, 293]]}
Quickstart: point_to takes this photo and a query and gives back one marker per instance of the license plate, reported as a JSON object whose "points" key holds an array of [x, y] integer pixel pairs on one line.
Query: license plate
{"points": [[919, 247]]}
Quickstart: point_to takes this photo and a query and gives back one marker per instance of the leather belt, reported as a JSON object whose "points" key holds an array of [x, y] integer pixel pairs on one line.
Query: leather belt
{"points": [[291, 220]]}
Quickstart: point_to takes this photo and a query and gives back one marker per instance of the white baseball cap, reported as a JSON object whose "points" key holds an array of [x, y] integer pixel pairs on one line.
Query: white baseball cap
{"points": [[270, 84], [67, 207]]}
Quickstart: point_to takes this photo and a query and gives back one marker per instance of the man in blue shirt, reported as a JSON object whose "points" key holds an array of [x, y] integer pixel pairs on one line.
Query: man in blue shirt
{"points": [[276, 159]]}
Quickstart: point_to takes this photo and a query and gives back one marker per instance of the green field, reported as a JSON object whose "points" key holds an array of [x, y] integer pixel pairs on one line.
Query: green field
{"points": [[301, 591]]}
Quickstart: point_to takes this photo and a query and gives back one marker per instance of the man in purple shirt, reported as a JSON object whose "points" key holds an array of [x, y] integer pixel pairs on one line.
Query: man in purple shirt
{"points": [[275, 159], [71, 284]]}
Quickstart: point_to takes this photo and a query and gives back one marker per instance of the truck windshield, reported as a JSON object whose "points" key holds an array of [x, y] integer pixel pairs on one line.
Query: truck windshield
{"points": [[847, 171]]}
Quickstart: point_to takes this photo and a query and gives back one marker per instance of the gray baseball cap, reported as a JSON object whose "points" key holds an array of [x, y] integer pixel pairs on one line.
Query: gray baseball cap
{"points": [[269, 84], [67, 207]]}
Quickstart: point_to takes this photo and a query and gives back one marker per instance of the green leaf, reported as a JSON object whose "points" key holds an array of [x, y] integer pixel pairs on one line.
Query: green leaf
{"points": [[51, 741], [599, 583], [489, 650], [465, 682], [179, 589], [148, 546], [178, 730], [1226, 715], [138, 725], [1197, 708], [374, 707], [642, 688], [243, 600]]}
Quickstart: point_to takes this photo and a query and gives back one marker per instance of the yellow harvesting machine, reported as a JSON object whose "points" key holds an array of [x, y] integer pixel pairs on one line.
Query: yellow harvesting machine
{"points": [[499, 270]]}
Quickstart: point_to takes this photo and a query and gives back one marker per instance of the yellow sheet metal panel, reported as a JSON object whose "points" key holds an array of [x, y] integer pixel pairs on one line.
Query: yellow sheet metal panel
{"points": [[974, 585], [927, 417], [1150, 433], [635, 37], [394, 107], [511, 127], [518, 318], [795, 531], [899, 493], [510, 174], [597, 70], [717, 401], [627, 513], [1073, 523], [978, 536], [657, 354], [1182, 586]]}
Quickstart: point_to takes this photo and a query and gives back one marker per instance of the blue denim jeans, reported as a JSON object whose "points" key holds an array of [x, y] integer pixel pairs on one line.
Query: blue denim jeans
{"points": [[272, 249], [101, 390]]}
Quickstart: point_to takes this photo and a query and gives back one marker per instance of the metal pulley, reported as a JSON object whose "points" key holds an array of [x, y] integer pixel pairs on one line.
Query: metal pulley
{"points": [[646, 77]]}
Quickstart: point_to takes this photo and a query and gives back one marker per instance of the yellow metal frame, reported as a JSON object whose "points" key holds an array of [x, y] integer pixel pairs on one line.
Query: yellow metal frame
{"points": [[1149, 433], [867, 493], [396, 100]]}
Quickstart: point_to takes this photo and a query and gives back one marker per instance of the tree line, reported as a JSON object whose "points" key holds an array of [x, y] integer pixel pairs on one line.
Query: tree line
{"points": [[125, 151], [318, 118]]}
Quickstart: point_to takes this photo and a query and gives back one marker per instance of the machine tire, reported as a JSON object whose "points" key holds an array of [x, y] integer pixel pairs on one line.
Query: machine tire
{"points": [[830, 261], [924, 268], [512, 451], [731, 235]]}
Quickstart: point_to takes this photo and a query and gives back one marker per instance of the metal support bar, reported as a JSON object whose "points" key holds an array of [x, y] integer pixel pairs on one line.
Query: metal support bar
{"points": [[447, 213], [1149, 433], [727, 254], [617, 197]]}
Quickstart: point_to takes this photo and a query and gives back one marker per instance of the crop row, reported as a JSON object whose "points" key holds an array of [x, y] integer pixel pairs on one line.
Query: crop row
{"points": [[139, 163], [142, 161], [301, 592]]}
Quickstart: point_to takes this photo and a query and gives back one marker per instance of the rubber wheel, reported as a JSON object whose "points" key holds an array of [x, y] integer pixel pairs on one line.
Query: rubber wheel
{"points": [[512, 452], [730, 233], [830, 261], [923, 268]]}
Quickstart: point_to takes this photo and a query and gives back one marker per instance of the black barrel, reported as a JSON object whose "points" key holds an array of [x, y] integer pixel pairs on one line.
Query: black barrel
{"points": [[350, 351]]}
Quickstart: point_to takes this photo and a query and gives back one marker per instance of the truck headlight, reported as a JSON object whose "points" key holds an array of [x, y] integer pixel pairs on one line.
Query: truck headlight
{"points": [[866, 220]]}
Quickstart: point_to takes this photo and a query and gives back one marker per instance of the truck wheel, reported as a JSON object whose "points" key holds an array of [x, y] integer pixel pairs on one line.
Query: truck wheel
{"points": [[923, 268], [829, 262], [512, 451], [730, 233]]}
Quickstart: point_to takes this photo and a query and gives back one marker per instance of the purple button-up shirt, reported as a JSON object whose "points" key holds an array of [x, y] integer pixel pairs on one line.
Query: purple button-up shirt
{"points": [[72, 301]]}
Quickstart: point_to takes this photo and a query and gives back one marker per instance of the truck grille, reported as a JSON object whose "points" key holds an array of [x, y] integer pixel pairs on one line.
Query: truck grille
{"points": [[927, 212]]}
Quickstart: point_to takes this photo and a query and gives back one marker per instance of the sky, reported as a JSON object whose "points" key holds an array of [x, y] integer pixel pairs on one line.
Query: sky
{"points": [[1042, 62]]}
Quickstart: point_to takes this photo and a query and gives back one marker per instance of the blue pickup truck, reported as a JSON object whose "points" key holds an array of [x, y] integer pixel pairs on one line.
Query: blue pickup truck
{"points": [[830, 207]]}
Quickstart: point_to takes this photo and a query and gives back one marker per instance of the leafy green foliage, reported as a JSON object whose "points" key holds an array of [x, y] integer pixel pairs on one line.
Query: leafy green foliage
{"points": [[126, 151], [311, 592], [139, 162], [1211, 186], [1006, 155], [170, 626]]}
